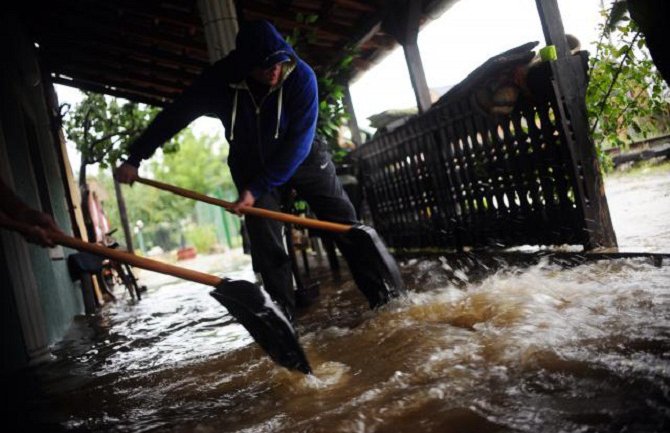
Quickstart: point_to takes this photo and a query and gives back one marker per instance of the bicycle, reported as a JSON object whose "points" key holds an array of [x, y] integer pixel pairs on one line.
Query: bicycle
{"points": [[115, 273]]}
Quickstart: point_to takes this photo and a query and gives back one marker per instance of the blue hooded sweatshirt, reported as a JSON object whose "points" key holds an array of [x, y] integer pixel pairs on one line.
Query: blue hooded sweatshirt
{"points": [[269, 138]]}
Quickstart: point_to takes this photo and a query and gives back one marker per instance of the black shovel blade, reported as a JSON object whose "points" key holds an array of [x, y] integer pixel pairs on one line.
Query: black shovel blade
{"points": [[376, 272], [267, 324]]}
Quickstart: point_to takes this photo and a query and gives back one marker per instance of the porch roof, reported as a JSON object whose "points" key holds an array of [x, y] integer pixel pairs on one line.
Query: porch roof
{"points": [[150, 50]]}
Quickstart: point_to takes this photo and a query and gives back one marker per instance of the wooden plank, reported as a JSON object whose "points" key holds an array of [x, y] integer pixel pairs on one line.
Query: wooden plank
{"points": [[526, 163], [119, 46], [539, 158], [552, 26], [325, 10], [417, 76], [499, 213], [184, 15], [131, 94], [551, 140], [454, 220], [128, 70], [402, 22], [462, 190], [570, 85], [95, 75], [570, 89], [356, 5], [70, 186], [101, 29], [482, 181], [123, 214], [352, 122], [416, 174], [642, 155]]}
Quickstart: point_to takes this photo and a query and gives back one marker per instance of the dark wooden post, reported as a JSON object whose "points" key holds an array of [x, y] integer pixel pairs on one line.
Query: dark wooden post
{"points": [[352, 122], [417, 76], [402, 22], [570, 81], [88, 293], [123, 214]]}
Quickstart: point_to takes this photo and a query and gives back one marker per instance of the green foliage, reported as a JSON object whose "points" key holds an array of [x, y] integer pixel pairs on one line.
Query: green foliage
{"points": [[159, 213], [332, 113], [164, 235], [199, 165], [331, 82], [303, 33], [202, 237], [626, 95], [300, 206], [102, 127]]}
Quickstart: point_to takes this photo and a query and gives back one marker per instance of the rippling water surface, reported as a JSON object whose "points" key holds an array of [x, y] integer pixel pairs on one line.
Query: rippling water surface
{"points": [[523, 349]]}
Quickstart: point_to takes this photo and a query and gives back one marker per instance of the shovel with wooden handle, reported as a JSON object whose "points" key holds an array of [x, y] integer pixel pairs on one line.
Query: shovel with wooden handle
{"points": [[246, 302], [377, 274]]}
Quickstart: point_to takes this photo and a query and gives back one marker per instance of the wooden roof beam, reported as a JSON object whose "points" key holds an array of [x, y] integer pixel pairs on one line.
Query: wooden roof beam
{"points": [[325, 10], [356, 5], [83, 27], [570, 88], [121, 47], [129, 94], [402, 22], [288, 20], [121, 10], [153, 72], [150, 11], [94, 75]]}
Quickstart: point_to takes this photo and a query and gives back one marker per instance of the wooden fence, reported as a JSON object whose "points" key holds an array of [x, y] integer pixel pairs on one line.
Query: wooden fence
{"points": [[454, 177]]}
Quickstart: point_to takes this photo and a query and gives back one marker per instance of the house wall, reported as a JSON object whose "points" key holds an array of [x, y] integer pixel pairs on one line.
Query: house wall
{"points": [[45, 300], [13, 353]]}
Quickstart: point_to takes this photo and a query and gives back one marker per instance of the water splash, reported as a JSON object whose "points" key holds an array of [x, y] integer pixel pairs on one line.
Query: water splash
{"points": [[523, 349]]}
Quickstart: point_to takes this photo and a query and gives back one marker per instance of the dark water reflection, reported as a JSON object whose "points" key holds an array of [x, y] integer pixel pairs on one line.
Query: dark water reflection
{"points": [[538, 348]]}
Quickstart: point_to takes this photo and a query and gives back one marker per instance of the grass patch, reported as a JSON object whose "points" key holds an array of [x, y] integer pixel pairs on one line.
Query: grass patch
{"points": [[642, 168]]}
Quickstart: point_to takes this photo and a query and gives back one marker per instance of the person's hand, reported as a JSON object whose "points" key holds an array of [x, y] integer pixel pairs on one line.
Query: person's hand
{"points": [[126, 173], [42, 227], [246, 199]]}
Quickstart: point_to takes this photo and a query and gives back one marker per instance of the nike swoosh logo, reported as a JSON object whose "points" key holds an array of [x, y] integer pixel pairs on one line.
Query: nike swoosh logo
{"points": [[323, 166]]}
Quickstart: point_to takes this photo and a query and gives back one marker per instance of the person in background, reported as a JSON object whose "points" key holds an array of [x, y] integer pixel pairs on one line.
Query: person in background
{"points": [[41, 224]]}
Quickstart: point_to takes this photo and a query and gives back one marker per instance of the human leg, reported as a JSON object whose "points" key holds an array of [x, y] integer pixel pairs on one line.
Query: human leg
{"points": [[372, 267], [269, 256]]}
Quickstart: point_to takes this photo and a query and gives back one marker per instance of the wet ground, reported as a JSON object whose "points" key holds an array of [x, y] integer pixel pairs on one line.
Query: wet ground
{"points": [[640, 209], [546, 346]]}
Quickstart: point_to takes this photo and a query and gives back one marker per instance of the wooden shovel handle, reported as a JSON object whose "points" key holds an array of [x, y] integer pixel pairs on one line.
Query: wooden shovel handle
{"points": [[119, 256], [263, 213]]}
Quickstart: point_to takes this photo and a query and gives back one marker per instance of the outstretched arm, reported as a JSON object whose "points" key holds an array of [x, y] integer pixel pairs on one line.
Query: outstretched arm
{"points": [[194, 102], [41, 223]]}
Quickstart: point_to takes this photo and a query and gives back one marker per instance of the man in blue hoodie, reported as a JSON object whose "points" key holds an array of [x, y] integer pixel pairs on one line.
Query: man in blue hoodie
{"points": [[267, 100]]}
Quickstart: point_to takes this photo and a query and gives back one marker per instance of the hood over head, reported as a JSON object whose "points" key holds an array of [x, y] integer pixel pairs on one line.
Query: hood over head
{"points": [[259, 44]]}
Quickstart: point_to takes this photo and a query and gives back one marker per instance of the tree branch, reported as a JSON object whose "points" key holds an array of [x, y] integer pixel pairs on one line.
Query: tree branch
{"points": [[614, 80]]}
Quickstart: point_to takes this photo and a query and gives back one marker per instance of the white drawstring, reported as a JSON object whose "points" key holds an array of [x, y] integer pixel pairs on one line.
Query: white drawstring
{"points": [[279, 103], [233, 116], [234, 113]]}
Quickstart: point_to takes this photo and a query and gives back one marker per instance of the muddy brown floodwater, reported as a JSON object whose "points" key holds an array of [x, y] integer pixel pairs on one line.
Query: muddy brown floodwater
{"points": [[540, 347]]}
